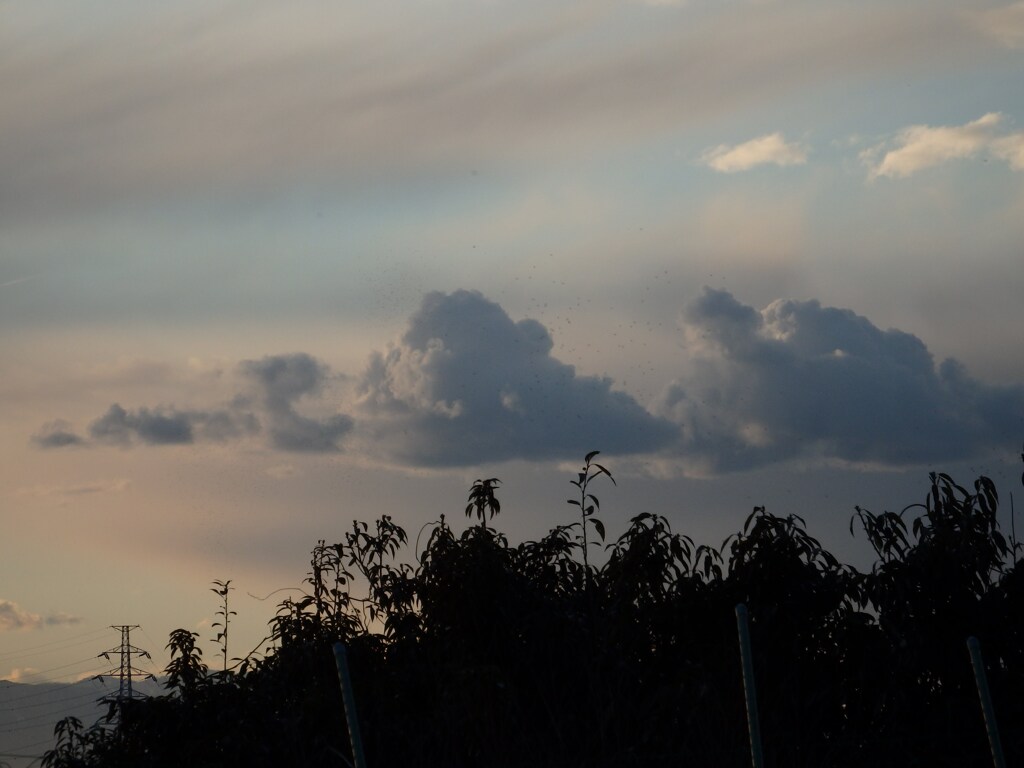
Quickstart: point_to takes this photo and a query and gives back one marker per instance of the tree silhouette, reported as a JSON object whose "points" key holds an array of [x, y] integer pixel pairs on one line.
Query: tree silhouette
{"points": [[481, 653]]}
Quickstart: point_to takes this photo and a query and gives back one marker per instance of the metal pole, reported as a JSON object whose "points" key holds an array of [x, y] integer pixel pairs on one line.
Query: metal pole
{"points": [[749, 690], [987, 711], [349, 699]]}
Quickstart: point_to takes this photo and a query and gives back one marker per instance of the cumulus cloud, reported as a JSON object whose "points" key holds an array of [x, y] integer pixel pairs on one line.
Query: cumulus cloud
{"points": [[15, 618], [169, 426], [272, 387], [770, 149], [282, 380], [57, 434], [921, 146], [466, 384], [798, 380]]}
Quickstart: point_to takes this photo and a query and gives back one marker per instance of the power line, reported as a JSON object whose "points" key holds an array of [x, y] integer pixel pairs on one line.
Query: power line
{"points": [[56, 687], [36, 721], [80, 697], [42, 672], [33, 650]]}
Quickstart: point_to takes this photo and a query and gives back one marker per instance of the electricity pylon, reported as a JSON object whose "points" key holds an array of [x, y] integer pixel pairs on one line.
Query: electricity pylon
{"points": [[125, 671]]}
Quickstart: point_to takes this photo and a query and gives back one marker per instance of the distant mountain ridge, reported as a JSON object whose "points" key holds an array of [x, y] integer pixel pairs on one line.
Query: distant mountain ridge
{"points": [[29, 711]]}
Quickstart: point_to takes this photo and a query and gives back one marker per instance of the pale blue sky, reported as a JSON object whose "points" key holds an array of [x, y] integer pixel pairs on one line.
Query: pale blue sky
{"points": [[186, 188]]}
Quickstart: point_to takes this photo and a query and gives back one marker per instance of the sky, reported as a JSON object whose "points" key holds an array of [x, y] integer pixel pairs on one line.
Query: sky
{"points": [[267, 268]]}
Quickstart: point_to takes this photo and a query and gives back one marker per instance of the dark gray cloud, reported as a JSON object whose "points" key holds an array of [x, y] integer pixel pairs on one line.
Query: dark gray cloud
{"points": [[800, 380], [467, 384], [57, 434], [169, 426], [280, 381]]}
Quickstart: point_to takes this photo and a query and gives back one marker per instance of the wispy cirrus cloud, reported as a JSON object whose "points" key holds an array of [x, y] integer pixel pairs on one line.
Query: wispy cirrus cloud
{"points": [[770, 149], [64, 493], [395, 101], [1004, 23], [919, 147]]}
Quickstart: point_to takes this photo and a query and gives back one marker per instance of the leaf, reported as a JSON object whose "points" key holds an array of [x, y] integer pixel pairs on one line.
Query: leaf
{"points": [[599, 526], [607, 473], [589, 456]]}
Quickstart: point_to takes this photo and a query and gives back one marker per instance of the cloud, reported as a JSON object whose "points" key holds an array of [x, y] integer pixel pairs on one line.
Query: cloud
{"points": [[281, 380], [282, 471], [800, 381], [1004, 23], [1011, 149], [64, 494], [386, 98], [771, 148], [273, 386], [168, 426], [21, 674], [57, 434], [920, 146], [466, 384], [14, 618]]}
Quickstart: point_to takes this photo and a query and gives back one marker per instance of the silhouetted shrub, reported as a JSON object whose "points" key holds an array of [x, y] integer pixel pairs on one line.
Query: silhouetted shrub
{"points": [[486, 654]]}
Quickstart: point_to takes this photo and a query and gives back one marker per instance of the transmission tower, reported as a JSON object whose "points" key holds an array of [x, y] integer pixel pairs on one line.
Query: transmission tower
{"points": [[124, 671]]}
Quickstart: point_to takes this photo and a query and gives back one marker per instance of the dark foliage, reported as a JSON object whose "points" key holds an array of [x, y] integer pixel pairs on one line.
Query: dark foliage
{"points": [[487, 654]]}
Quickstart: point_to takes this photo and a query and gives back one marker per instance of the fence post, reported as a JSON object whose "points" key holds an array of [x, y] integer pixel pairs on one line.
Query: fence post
{"points": [[985, 697], [749, 690], [349, 699]]}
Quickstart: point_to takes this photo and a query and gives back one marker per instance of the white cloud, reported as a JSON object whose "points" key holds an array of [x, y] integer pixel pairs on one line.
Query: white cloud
{"points": [[770, 149], [921, 146]]}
